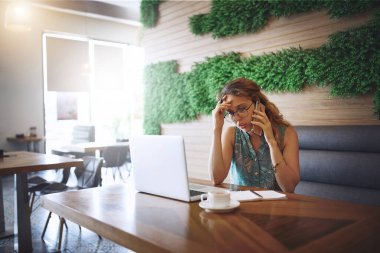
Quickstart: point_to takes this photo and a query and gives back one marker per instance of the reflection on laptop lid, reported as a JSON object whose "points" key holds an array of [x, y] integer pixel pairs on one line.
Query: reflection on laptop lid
{"points": [[159, 166]]}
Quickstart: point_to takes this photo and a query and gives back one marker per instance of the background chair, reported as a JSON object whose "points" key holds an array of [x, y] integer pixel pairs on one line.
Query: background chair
{"points": [[87, 177], [38, 185], [80, 134], [116, 157]]}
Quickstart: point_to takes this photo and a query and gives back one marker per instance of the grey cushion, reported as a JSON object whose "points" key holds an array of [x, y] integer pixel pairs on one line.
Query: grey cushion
{"points": [[343, 168], [342, 138]]}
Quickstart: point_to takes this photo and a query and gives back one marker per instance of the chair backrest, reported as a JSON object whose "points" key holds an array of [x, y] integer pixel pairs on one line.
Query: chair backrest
{"points": [[62, 175], [90, 175], [116, 156], [83, 134]]}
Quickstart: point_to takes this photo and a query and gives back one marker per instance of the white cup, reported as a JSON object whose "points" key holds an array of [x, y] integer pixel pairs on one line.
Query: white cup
{"points": [[217, 198]]}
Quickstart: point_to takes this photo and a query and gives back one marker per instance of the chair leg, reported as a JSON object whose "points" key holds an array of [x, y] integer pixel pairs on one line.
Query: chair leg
{"points": [[129, 167], [64, 223], [114, 174], [32, 202], [46, 224], [121, 175], [61, 222]]}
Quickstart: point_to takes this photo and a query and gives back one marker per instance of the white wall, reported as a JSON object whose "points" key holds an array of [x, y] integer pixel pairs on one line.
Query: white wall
{"points": [[21, 75]]}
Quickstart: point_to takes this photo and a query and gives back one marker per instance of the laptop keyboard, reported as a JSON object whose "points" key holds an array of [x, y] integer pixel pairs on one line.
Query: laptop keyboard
{"points": [[195, 193]]}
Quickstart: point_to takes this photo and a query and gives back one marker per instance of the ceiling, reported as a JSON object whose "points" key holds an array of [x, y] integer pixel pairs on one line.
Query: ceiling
{"points": [[126, 11], [132, 6]]}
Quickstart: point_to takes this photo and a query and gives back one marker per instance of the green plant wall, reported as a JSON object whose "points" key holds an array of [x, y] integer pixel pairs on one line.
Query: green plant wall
{"points": [[232, 17], [349, 63]]}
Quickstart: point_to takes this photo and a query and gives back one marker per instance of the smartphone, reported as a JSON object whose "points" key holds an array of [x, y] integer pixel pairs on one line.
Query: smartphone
{"points": [[257, 107], [257, 104]]}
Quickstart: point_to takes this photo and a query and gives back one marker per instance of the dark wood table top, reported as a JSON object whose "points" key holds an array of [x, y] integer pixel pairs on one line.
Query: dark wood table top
{"points": [[25, 139], [146, 223], [23, 162]]}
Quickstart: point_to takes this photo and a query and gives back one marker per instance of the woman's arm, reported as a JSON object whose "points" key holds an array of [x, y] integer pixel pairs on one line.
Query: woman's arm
{"points": [[286, 163], [221, 150], [287, 169], [221, 154]]}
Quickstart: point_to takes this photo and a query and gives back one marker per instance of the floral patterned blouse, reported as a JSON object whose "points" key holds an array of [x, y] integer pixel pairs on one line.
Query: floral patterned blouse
{"points": [[250, 167]]}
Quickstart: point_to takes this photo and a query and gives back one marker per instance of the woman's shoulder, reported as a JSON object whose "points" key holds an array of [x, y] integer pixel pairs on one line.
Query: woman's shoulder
{"points": [[290, 133], [229, 133]]}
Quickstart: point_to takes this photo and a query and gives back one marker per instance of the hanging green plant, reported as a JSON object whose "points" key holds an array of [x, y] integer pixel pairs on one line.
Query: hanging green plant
{"points": [[228, 18], [349, 62], [149, 12]]}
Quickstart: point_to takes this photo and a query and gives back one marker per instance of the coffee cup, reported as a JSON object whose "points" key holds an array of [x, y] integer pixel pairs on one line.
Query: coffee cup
{"points": [[217, 198]]}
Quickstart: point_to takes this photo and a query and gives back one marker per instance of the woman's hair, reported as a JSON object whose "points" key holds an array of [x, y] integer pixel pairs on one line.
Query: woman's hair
{"points": [[243, 87]]}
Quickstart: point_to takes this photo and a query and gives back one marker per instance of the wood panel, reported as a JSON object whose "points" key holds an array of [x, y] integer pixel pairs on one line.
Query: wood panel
{"points": [[171, 39], [313, 106]]}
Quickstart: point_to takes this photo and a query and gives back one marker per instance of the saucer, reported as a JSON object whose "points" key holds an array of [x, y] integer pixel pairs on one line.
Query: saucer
{"points": [[225, 209]]}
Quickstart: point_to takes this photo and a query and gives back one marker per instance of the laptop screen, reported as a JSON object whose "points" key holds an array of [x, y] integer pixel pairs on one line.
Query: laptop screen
{"points": [[159, 165]]}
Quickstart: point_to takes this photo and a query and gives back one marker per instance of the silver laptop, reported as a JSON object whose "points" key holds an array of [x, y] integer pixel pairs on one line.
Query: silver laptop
{"points": [[159, 167]]}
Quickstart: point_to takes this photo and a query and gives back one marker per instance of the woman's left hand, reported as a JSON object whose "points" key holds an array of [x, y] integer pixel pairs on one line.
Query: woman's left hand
{"points": [[261, 120]]}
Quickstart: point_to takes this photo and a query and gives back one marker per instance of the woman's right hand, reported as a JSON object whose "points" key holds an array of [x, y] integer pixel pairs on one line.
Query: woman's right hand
{"points": [[218, 113]]}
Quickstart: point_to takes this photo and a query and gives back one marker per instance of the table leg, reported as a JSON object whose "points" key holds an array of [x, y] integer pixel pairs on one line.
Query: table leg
{"points": [[4, 233], [28, 147], [23, 229]]}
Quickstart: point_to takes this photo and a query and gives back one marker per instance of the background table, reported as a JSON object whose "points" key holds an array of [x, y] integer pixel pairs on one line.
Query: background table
{"points": [[86, 148], [20, 163], [146, 223], [30, 142]]}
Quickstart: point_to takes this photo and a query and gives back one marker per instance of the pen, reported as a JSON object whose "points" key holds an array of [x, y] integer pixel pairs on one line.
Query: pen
{"points": [[256, 194]]}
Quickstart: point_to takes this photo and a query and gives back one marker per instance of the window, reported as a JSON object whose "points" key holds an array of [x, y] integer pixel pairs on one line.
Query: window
{"points": [[91, 82]]}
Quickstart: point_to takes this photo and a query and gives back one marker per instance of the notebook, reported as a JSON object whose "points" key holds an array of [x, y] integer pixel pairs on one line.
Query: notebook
{"points": [[159, 167], [247, 195]]}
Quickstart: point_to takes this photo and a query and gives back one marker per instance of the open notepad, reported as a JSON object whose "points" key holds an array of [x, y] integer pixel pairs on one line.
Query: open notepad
{"points": [[242, 196]]}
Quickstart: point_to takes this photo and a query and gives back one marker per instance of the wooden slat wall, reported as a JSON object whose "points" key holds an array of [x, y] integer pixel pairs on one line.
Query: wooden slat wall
{"points": [[171, 39]]}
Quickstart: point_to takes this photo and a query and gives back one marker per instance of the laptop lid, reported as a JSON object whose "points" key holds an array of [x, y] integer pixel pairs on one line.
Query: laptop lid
{"points": [[159, 166]]}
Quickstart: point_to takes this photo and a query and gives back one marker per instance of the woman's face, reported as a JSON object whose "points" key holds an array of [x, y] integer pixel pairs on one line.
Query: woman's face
{"points": [[242, 108]]}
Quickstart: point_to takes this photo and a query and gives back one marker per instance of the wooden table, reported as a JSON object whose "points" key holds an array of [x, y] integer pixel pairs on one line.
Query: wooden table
{"points": [[146, 223], [87, 147], [20, 163], [30, 142], [91, 147]]}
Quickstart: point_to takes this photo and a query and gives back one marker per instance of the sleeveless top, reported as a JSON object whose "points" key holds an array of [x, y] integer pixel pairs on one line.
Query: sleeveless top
{"points": [[250, 167]]}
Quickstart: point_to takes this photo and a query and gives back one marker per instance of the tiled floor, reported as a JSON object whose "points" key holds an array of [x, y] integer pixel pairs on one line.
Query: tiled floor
{"points": [[74, 239]]}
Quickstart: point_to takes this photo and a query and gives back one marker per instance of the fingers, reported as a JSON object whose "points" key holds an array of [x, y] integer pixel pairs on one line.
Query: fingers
{"points": [[260, 113], [260, 118], [221, 106], [222, 99]]}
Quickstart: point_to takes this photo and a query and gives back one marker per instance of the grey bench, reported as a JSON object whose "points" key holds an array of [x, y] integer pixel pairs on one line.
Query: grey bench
{"points": [[340, 163]]}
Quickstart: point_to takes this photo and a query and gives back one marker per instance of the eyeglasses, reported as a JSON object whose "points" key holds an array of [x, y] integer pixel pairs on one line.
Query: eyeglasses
{"points": [[241, 112]]}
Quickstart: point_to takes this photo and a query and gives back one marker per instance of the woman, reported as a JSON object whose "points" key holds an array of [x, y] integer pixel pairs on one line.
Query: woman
{"points": [[261, 150]]}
